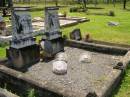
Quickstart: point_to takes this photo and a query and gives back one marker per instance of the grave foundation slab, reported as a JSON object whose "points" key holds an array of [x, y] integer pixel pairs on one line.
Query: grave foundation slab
{"points": [[23, 57]]}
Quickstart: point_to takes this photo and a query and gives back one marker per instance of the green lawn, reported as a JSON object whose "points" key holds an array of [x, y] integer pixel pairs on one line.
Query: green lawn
{"points": [[124, 89], [98, 29]]}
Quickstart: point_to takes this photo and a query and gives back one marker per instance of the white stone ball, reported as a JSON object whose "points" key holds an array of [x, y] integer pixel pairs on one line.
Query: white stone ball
{"points": [[85, 58], [59, 67]]}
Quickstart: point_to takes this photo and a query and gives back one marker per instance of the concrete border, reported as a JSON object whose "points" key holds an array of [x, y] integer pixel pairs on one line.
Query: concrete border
{"points": [[5, 93], [97, 47], [24, 83], [110, 43], [18, 79]]}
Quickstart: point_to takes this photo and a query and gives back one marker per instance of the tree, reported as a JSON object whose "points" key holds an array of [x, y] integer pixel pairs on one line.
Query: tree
{"points": [[124, 4], [84, 3], [56, 2]]}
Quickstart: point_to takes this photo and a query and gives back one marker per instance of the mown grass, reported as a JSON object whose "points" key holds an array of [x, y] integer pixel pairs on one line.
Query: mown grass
{"points": [[98, 29], [124, 89]]}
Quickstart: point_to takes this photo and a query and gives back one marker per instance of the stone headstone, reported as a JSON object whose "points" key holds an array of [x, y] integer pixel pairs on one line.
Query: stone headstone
{"points": [[22, 29], [53, 42], [52, 25], [23, 50], [76, 34]]}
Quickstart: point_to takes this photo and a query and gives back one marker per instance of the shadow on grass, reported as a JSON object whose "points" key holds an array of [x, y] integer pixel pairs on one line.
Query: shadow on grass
{"points": [[116, 91], [102, 14], [95, 8], [128, 9]]}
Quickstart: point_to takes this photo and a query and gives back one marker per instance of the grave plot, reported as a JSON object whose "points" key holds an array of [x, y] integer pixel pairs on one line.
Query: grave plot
{"points": [[38, 23], [96, 78]]}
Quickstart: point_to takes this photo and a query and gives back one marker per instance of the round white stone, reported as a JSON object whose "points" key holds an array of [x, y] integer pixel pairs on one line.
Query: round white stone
{"points": [[60, 67], [85, 58]]}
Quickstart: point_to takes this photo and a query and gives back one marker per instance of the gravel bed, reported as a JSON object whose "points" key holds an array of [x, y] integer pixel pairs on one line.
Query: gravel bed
{"points": [[80, 77]]}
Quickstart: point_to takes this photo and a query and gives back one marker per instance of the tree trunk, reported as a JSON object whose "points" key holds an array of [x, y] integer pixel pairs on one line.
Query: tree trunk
{"points": [[56, 2], [124, 5], [84, 3]]}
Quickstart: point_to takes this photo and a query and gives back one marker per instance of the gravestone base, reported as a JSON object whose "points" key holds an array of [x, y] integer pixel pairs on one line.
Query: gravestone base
{"points": [[54, 46], [22, 58]]}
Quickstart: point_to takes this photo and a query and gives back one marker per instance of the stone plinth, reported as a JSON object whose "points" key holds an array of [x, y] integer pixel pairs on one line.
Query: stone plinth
{"points": [[23, 57], [54, 46]]}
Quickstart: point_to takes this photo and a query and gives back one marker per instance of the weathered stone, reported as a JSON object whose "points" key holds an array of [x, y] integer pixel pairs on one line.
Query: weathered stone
{"points": [[85, 58], [52, 25], [23, 50], [21, 22], [76, 34], [60, 67], [118, 50], [23, 57], [54, 46], [111, 23], [54, 42]]}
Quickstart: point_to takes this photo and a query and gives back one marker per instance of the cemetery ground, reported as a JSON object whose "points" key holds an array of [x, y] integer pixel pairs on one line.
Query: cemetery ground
{"points": [[99, 30]]}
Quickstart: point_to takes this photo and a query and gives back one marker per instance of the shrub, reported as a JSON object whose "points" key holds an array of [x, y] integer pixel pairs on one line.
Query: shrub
{"points": [[73, 9], [111, 13]]}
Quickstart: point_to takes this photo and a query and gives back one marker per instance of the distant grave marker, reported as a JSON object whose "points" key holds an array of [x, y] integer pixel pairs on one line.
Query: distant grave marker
{"points": [[76, 34]]}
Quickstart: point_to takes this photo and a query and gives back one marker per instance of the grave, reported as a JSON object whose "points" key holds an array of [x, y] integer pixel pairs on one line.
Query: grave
{"points": [[96, 78], [21, 52], [53, 37], [76, 34], [94, 69], [64, 22]]}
